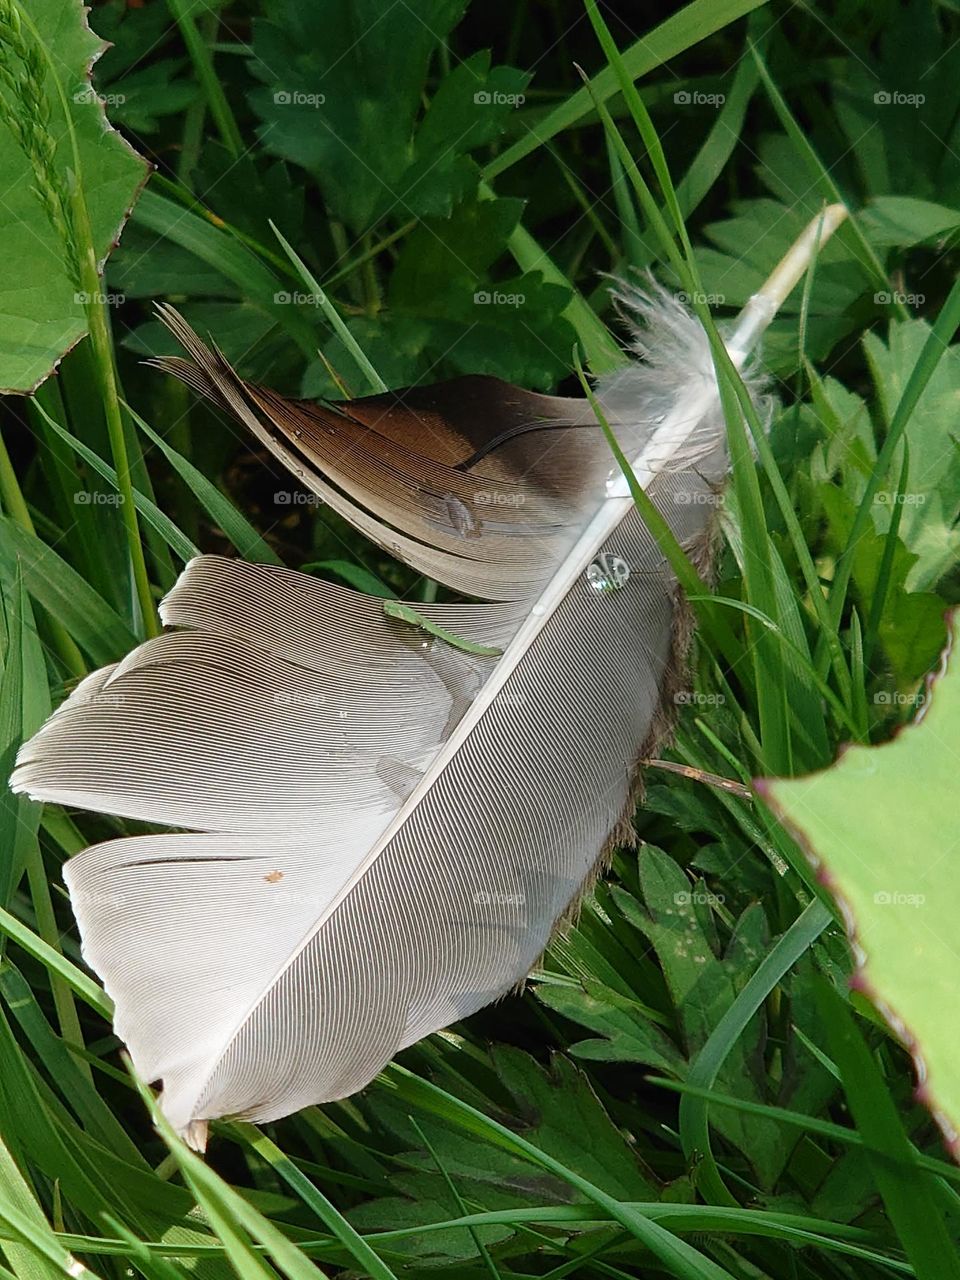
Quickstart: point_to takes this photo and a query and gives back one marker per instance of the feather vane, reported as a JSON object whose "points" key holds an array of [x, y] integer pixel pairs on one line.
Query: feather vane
{"points": [[380, 829]]}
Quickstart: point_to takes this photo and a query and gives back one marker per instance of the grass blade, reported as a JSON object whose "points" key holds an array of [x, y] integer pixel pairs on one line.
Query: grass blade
{"points": [[217, 506]]}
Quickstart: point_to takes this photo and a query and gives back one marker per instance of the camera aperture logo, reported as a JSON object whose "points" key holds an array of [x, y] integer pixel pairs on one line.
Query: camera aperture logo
{"points": [[297, 498], [887, 499], [895, 98], [698, 498], [98, 498], [702, 299], [694, 98], [89, 94], [698, 898], [296, 298], [297, 98], [496, 298], [84, 299], [895, 698], [896, 298], [494, 98], [498, 498], [487, 898]]}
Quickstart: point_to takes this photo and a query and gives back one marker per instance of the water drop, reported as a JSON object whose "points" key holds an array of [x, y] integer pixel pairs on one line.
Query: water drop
{"points": [[607, 573], [461, 517]]}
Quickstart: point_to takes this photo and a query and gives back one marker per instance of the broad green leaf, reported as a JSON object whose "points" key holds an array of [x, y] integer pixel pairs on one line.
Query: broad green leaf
{"points": [[566, 1120], [931, 500], [147, 95], [881, 827], [628, 1035], [903, 221], [441, 289], [745, 248], [41, 314], [140, 88], [912, 629], [144, 267], [343, 99], [892, 100], [703, 986], [683, 1261], [448, 312]]}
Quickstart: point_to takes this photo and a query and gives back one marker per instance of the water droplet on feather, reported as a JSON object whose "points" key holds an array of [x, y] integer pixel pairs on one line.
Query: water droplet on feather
{"points": [[461, 517], [607, 573]]}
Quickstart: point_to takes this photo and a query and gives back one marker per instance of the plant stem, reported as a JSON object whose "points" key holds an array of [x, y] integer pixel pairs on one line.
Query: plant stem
{"points": [[100, 338], [63, 199], [10, 492], [202, 61], [48, 929], [15, 504], [195, 115]]}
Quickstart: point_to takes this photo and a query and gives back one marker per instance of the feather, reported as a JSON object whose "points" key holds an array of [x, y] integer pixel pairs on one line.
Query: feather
{"points": [[383, 828]]}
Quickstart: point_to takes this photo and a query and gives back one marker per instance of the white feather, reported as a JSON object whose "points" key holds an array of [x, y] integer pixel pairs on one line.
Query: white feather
{"points": [[387, 828]]}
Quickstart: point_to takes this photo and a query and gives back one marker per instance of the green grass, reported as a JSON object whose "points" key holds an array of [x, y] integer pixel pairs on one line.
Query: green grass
{"points": [[688, 1087]]}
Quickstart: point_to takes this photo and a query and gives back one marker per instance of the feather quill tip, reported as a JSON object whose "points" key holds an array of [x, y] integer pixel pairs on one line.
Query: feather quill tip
{"points": [[195, 1135]]}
